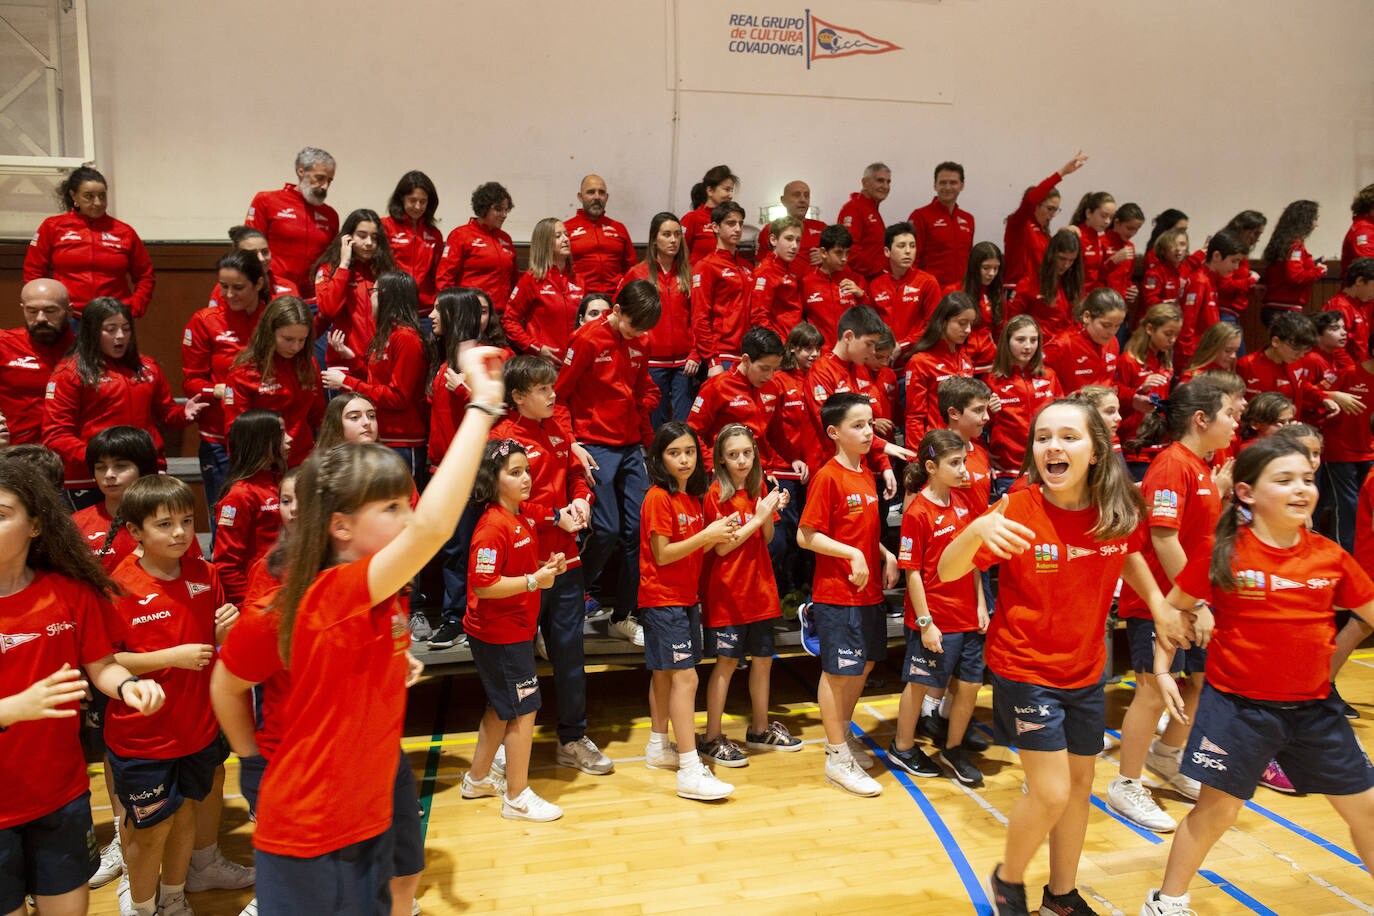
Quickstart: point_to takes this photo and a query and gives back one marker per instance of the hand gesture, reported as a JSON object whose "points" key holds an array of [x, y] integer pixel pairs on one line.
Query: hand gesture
{"points": [[338, 342], [1222, 478], [1004, 537], [194, 406], [994, 404], [932, 638], [784, 498], [192, 656], [768, 504], [1203, 624], [225, 618], [143, 696], [883, 426], [849, 286], [345, 251], [802, 469], [1124, 253], [570, 520], [1344, 402], [721, 530], [44, 699], [481, 367], [453, 379], [1073, 164], [544, 575], [333, 379]]}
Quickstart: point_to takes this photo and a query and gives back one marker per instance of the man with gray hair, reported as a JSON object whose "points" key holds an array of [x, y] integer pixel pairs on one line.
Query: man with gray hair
{"points": [[861, 217], [298, 224]]}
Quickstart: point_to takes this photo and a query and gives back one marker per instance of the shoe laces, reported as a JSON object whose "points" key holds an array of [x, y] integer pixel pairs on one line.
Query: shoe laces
{"points": [[1138, 793]]}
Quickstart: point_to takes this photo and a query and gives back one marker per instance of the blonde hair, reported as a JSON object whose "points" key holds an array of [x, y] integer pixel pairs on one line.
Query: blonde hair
{"points": [[1159, 314], [753, 481]]}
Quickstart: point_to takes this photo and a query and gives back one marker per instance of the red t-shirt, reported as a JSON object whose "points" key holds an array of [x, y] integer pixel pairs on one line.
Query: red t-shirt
{"points": [[502, 545], [1364, 523], [248, 522], [51, 621], [155, 614], [737, 588], [843, 505], [679, 516], [927, 529], [1037, 636], [1276, 632], [979, 465], [1181, 495], [250, 652], [322, 794], [94, 522]]}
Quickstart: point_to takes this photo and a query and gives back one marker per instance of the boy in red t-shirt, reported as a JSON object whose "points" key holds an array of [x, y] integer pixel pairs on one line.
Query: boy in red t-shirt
{"points": [[840, 524], [116, 456]]}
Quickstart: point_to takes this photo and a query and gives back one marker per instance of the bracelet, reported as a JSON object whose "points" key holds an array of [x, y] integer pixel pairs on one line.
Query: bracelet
{"points": [[1163, 674], [119, 691], [493, 411]]}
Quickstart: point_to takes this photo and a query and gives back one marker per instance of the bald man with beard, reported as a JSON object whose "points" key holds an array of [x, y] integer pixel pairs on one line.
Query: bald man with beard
{"points": [[796, 197], [601, 247], [29, 353]]}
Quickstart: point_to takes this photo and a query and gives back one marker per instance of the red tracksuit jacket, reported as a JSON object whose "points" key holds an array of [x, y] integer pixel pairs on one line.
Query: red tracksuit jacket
{"points": [[1093, 256], [671, 342], [602, 251], [1130, 377], [1022, 395], [25, 367], [1078, 361], [730, 398], [416, 247], [344, 296], [247, 522], [1357, 324], [92, 258], [604, 392], [1054, 318], [791, 431], [1358, 241], [1200, 311], [477, 256], [542, 313], [811, 237], [556, 477], [943, 240], [213, 339], [297, 232], [395, 384], [301, 408], [1117, 276], [1289, 282], [1023, 241], [905, 304], [924, 373], [721, 282], [1292, 380], [698, 240], [775, 300], [831, 375], [861, 217], [823, 303]]}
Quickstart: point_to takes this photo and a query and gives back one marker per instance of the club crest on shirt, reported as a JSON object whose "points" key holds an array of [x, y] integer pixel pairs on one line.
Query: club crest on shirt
{"points": [[486, 560], [1079, 552], [227, 515], [10, 641], [1046, 557], [1251, 583], [1023, 726], [197, 588]]}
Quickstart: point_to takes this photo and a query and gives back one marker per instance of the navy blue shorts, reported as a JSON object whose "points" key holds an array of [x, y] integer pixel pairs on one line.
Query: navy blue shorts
{"points": [[408, 846], [508, 676], [672, 637], [48, 856], [1140, 633], [754, 640], [851, 636], [1233, 739], [962, 659], [352, 881], [1033, 717], [153, 790]]}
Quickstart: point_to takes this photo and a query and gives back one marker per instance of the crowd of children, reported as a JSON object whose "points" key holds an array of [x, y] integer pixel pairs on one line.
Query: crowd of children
{"points": [[734, 435]]}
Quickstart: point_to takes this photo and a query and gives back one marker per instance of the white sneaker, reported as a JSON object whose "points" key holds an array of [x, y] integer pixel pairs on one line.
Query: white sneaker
{"points": [[529, 807], [125, 897], [584, 755], [1163, 723], [111, 864], [221, 874], [661, 757], [540, 648], [420, 628], [491, 787], [414, 907], [1156, 907], [1162, 762], [700, 784], [627, 629], [1133, 801], [175, 905], [1186, 786], [251, 909], [861, 755], [498, 763], [843, 770]]}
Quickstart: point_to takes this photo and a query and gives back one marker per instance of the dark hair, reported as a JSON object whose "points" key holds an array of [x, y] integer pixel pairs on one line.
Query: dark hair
{"points": [[398, 306], [1359, 269], [1248, 221], [413, 181], [1065, 241], [43, 460], [1172, 419], [74, 180], [1295, 224], [658, 472], [952, 305], [331, 426], [1293, 328], [587, 300], [275, 560], [835, 236], [890, 234], [150, 493], [1163, 222], [936, 445], [863, 320], [1225, 243], [804, 334], [1250, 464], [382, 259], [523, 372], [1099, 302], [1093, 200], [838, 406], [753, 481], [488, 195], [1264, 409], [715, 176], [58, 547], [759, 342], [682, 266], [125, 443], [957, 392], [639, 304], [1363, 204], [247, 263], [90, 361], [722, 211], [256, 443], [1111, 491], [460, 317], [282, 312], [973, 279], [240, 234], [1001, 363], [1298, 431], [1324, 320], [1128, 213], [948, 167], [486, 487], [343, 479]]}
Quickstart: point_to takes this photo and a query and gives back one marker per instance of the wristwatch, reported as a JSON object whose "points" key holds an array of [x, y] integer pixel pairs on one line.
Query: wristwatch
{"points": [[531, 583], [923, 621]]}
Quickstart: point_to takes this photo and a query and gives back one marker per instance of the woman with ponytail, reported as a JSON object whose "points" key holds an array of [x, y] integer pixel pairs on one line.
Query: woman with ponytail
{"points": [[1090, 220]]}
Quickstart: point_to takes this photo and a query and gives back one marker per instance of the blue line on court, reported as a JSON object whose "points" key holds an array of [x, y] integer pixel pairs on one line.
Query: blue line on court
{"points": [[972, 884], [1100, 805], [1236, 893]]}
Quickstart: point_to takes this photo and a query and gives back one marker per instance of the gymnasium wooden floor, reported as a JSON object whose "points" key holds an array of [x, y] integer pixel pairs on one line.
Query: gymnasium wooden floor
{"points": [[789, 843]]}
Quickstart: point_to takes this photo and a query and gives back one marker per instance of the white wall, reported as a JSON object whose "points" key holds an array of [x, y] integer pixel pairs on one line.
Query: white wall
{"points": [[1212, 107]]}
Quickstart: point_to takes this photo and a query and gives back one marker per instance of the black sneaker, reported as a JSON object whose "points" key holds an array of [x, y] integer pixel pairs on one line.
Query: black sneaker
{"points": [[956, 758], [447, 636], [721, 750], [935, 727], [913, 761], [1009, 899], [1350, 712], [1070, 904], [974, 741]]}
